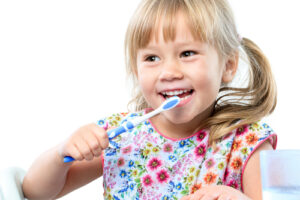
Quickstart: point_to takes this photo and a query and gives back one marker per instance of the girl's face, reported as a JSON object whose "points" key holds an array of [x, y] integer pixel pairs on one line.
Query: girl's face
{"points": [[184, 67]]}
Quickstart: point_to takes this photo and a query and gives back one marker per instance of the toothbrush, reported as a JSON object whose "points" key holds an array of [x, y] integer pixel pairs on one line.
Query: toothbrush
{"points": [[166, 105]]}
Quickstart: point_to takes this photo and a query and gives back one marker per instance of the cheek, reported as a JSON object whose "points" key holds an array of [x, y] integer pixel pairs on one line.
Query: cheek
{"points": [[204, 77], [207, 80], [145, 81]]}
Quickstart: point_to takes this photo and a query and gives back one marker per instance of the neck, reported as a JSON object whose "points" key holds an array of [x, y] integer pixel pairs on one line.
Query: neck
{"points": [[182, 130]]}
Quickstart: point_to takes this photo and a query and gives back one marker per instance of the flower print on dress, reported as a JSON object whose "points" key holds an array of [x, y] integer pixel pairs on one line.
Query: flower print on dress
{"points": [[251, 139], [124, 113], [156, 167], [110, 151], [131, 163], [237, 163], [133, 115], [134, 173], [162, 176], [168, 148], [190, 178], [210, 163], [115, 197], [182, 143], [221, 165], [244, 151], [124, 187], [123, 173], [200, 151], [201, 136], [242, 130], [149, 145], [147, 180], [195, 187], [210, 178], [178, 186], [236, 145], [155, 149], [266, 126], [154, 163], [131, 186], [172, 158], [255, 126], [145, 153], [120, 162], [192, 169], [101, 122], [233, 183], [150, 130], [127, 149]]}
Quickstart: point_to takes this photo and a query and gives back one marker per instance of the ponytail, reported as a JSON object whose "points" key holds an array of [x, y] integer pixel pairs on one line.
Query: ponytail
{"points": [[262, 83], [249, 104]]}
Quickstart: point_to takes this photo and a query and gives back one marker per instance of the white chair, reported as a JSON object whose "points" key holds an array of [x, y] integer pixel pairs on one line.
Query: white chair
{"points": [[11, 184]]}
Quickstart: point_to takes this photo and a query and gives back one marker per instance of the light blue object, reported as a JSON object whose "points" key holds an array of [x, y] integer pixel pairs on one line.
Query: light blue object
{"points": [[166, 105], [11, 183]]}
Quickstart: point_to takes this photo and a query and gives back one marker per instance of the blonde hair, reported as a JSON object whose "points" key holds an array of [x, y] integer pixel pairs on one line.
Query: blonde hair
{"points": [[211, 21]]}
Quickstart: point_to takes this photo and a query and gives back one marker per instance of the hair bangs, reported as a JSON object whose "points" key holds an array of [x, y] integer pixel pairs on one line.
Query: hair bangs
{"points": [[160, 17]]}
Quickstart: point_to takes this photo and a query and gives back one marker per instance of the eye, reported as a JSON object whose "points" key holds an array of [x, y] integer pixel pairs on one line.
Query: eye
{"points": [[187, 54], [152, 58]]}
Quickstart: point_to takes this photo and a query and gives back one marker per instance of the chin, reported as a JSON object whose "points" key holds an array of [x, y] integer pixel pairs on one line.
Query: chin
{"points": [[179, 118]]}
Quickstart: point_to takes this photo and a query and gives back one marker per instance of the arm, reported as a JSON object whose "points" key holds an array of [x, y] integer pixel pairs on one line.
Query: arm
{"points": [[82, 173], [251, 177], [49, 177]]}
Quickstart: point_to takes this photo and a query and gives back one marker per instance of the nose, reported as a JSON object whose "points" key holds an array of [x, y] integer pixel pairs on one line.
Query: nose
{"points": [[171, 70]]}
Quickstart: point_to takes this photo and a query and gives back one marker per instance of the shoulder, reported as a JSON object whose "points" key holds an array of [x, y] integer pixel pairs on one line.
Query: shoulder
{"points": [[245, 140], [251, 136]]}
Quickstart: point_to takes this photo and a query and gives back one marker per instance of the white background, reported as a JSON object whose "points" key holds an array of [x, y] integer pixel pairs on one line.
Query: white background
{"points": [[62, 66]]}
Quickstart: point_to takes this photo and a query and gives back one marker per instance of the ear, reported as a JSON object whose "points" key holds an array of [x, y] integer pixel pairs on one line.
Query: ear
{"points": [[230, 69]]}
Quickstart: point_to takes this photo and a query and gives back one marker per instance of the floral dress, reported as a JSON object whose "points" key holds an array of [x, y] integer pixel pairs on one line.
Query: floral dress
{"points": [[144, 164]]}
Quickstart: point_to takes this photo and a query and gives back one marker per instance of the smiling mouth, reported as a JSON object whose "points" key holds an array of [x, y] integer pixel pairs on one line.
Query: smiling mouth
{"points": [[182, 94]]}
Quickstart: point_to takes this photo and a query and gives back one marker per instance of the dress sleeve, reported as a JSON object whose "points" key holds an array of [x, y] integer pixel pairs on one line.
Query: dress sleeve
{"points": [[247, 139]]}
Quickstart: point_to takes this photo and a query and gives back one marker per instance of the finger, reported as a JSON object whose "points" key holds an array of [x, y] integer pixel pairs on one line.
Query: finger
{"points": [[93, 143], [101, 136], [84, 149], [210, 197], [197, 195], [74, 152], [224, 197]]}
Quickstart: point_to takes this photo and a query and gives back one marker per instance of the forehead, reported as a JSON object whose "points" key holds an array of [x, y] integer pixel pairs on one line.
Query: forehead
{"points": [[164, 26], [167, 29]]}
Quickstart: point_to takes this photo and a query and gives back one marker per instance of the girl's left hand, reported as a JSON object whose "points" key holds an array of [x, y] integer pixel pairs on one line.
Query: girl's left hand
{"points": [[216, 192]]}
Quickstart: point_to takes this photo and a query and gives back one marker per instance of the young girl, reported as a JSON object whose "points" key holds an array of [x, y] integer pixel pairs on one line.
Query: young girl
{"points": [[205, 148]]}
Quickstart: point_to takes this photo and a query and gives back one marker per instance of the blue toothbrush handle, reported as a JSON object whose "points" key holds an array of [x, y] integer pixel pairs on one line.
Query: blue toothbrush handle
{"points": [[121, 129], [111, 134], [68, 159]]}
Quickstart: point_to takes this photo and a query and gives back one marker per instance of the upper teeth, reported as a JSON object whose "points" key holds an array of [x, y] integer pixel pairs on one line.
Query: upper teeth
{"points": [[175, 92]]}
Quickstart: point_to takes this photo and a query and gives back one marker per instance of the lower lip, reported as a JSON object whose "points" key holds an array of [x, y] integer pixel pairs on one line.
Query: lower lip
{"points": [[182, 102], [185, 101]]}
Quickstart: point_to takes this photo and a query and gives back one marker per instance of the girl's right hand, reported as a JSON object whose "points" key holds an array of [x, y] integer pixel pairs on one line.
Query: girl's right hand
{"points": [[86, 143]]}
